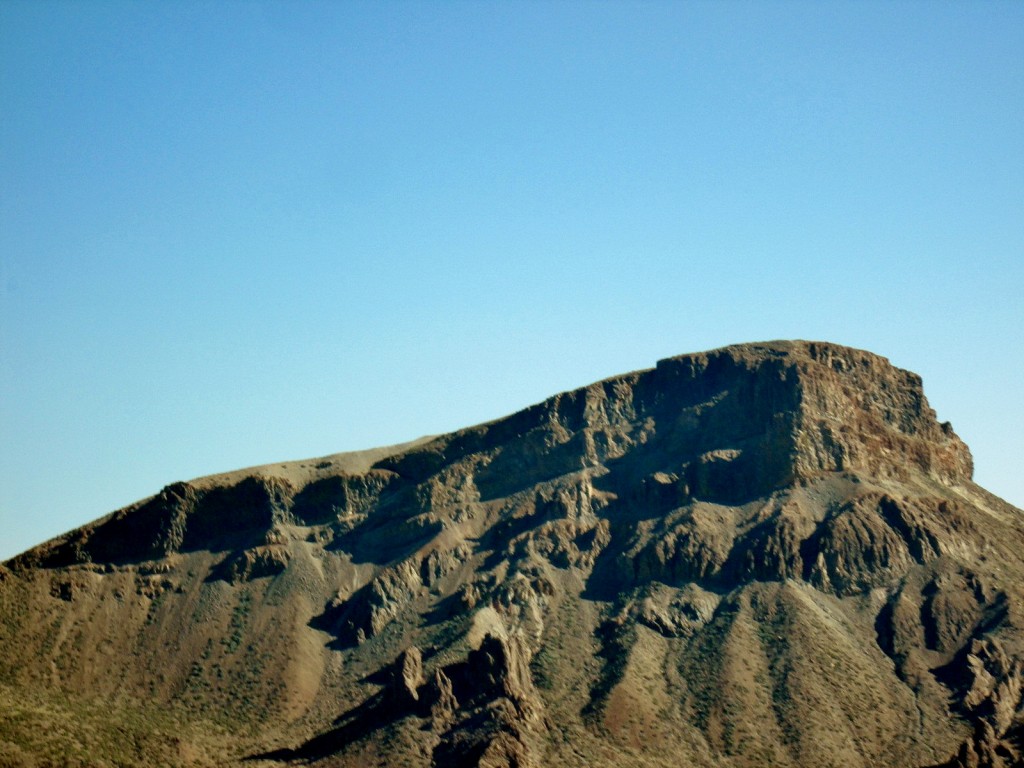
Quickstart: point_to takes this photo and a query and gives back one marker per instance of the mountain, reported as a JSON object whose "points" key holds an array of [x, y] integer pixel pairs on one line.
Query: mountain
{"points": [[767, 554]]}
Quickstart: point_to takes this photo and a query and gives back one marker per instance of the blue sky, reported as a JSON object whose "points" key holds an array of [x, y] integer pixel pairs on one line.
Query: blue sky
{"points": [[237, 233]]}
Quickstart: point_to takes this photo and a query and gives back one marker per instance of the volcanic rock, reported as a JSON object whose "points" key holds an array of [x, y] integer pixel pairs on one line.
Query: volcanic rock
{"points": [[767, 554]]}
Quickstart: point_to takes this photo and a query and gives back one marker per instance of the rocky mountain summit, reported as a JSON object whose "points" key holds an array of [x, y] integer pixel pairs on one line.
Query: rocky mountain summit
{"points": [[767, 554]]}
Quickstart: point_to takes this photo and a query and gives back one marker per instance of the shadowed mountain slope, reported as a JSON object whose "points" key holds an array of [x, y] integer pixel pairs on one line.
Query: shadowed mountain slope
{"points": [[767, 554]]}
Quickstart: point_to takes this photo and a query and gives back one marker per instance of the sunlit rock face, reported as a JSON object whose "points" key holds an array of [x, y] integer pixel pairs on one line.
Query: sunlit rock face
{"points": [[767, 554]]}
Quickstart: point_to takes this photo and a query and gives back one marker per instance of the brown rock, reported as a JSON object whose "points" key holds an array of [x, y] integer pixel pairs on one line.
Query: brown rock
{"points": [[408, 676], [764, 554]]}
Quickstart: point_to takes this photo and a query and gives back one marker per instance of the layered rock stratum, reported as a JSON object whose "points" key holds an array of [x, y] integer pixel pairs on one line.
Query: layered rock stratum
{"points": [[767, 554]]}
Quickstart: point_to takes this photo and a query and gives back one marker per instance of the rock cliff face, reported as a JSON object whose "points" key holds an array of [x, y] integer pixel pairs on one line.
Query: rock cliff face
{"points": [[768, 554]]}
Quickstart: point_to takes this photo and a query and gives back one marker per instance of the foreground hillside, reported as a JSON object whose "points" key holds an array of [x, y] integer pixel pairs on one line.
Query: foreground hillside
{"points": [[767, 554]]}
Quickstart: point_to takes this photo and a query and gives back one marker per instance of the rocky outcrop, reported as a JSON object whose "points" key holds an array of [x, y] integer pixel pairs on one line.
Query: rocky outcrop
{"points": [[254, 563], [182, 517], [676, 613], [989, 684], [443, 704], [226, 517], [789, 410], [364, 614], [149, 530], [483, 710], [763, 554], [407, 678], [859, 413], [340, 497], [502, 714]]}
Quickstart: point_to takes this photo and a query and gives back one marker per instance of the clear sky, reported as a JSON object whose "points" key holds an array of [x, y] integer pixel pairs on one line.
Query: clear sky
{"points": [[238, 233]]}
